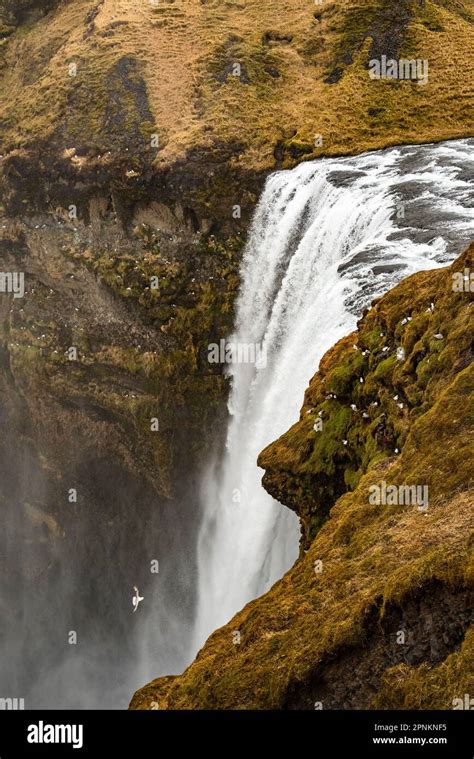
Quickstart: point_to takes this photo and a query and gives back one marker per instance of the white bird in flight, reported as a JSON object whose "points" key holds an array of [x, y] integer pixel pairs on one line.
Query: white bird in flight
{"points": [[136, 598]]}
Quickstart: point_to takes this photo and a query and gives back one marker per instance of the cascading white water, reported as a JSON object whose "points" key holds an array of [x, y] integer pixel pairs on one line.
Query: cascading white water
{"points": [[327, 238]]}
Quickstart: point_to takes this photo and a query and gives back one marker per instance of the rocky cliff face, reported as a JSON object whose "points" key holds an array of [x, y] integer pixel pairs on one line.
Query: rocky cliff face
{"points": [[376, 612], [106, 390]]}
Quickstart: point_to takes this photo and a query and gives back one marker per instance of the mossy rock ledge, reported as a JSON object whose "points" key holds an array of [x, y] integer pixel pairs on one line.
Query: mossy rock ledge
{"points": [[377, 611]]}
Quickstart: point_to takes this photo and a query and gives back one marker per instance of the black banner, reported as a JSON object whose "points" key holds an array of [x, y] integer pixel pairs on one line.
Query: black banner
{"points": [[347, 733]]}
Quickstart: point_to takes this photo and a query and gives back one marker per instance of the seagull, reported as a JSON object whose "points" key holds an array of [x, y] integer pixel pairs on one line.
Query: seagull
{"points": [[136, 598]]}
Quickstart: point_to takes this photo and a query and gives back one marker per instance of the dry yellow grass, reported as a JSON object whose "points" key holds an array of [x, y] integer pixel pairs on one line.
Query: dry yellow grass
{"points": [[185, 51]]}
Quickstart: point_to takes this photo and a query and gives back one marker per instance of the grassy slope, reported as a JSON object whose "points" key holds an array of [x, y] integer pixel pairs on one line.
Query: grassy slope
{"points": [[375, 558], [307, 77]]}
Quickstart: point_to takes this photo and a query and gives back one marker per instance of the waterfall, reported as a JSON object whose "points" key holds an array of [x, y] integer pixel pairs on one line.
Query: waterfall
{"points": [[327, 238]]}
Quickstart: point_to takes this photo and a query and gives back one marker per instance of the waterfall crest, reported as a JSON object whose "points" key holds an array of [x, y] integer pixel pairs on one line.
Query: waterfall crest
{"points": [[327, 238]]}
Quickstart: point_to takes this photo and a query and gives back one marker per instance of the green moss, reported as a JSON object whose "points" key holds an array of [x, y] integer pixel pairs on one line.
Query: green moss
{"points": [[384, 371], [372, 340], [425, 369], [352, 477], [297, 147], [342, 378]]}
